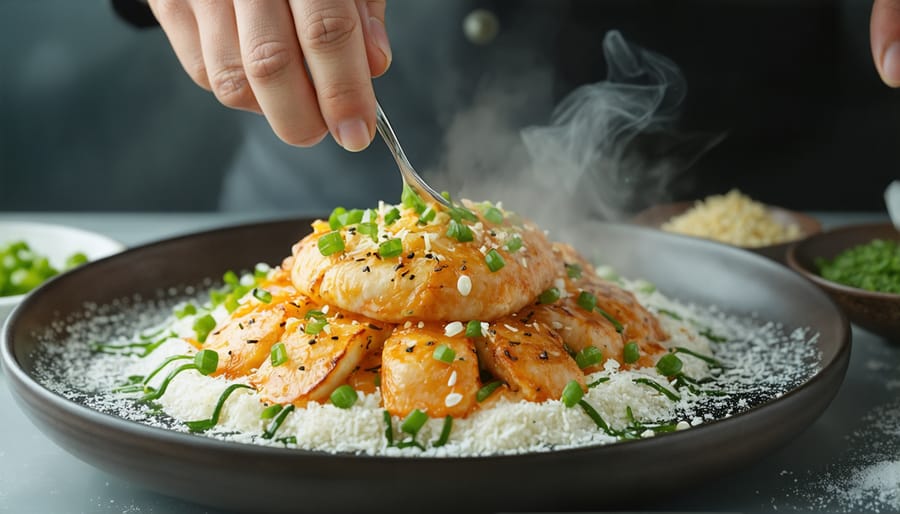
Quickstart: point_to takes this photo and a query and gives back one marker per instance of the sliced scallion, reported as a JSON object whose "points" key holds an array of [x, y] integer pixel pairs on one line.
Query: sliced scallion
{"points": [[390, 248], [344, 397], [549, 296], [588, 357], [573, 270], [444, 353], [331, 243], [572, 394], [315, 326], [278, 355], [587, 301], [271, 411], [473, 328], [369, 228], [392, 216], [445, 432], [631, 352], [513, 244], [487, 390], [494, 215], [203, 326], [206, 361], [459, 231], [494, 260], [669, 365], [414, 422], [262, 295], [203, 425]]}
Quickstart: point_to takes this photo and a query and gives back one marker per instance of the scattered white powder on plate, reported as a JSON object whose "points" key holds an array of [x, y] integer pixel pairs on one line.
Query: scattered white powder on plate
{"points": [[763, 360]]}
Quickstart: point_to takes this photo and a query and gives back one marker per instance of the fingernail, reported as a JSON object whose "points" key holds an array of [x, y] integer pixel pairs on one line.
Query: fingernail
{"points": [[890, 66], [380, 37], [353, 135]]}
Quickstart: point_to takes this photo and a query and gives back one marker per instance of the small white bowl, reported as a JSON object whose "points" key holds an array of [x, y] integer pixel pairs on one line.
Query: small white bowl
{"points": [[57, 243]]}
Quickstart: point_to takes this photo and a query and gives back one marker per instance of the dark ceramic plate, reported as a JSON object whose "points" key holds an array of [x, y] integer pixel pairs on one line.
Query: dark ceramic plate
{"points": [[655, 216], [874, 311], [251, 478]]}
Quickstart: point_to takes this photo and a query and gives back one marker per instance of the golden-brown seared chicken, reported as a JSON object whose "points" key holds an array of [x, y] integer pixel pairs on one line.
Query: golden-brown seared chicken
{"points": [[527, 356], [316, 364], [414, 377], [245, 339], [433, 276]]}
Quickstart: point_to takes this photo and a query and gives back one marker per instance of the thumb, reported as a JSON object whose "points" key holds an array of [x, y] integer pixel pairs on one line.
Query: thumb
{"points": [[378, 48], [885, 37]]}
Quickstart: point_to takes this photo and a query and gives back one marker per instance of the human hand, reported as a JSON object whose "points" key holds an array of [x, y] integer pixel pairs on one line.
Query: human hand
{"points": [[251, 55], [884, 31]]}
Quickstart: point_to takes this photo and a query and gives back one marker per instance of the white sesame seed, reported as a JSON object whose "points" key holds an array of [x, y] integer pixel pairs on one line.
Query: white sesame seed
{"points": [[407, 324], [510, 328], [453, 328], [421, 324], [452, 380], [427, 238], [524, 262], [464, 285], [557, 325], [452, 399], [484, 327], [325, 309]]}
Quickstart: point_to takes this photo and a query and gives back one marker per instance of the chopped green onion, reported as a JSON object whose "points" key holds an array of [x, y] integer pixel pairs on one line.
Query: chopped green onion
{"points": [[494, 260], [705, 358], [163, 364], [445, 432], [369, 228], [231, 303], [187, 310], [611, 319], [313, 313], [549, 296], [494, 215], [334, 220], [588, 357], [444, 353], [331, 243], [486, 391], [645, 287], [597, 382], [708, 333], [427, 215], [203, 326], [273, 428], [659, 388], [473, 328], [392, 216], [271, 411], [351, 217], [669, 365], [459, 231], [75, 260], [414, 422], [389, 428], [410, 199], [206, 361], [344, 397], [587, 301], [262, 295], [278, 355], [670, 314], [631, 352], [513, 244], [573, 270], [231, 278], [154, 394], [572, 394], [203, 425], [390, 248], [315, 326], [595, 417], [459, 213]]}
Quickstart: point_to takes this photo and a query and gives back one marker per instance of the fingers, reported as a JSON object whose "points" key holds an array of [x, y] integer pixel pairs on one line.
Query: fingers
{"points": [[274, 69], [177, 20], [222, 55], [331, 40], [378, 47], [885, 39]]}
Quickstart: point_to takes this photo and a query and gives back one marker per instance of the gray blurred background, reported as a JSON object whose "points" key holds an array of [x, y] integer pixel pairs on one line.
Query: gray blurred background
{"points": [[96, 115]]}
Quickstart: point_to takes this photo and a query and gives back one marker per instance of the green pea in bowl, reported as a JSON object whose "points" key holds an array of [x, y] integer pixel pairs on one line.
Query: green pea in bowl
{"points": [[32, 253], [848, 263]]}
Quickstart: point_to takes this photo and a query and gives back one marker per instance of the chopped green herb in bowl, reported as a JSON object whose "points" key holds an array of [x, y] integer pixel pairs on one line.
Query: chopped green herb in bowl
{"points": [[874, 266]]}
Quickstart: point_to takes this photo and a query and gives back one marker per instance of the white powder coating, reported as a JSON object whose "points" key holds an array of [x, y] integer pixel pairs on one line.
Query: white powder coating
{"points": [[763, 362]]}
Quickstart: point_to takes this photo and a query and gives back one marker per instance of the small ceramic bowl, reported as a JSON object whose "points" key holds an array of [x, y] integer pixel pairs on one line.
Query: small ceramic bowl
{"points": [[57, 243], [657, 215], [873, 311]]}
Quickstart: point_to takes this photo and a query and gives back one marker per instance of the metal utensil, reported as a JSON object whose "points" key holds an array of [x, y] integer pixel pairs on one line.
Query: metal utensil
{"points": [[410, 177], [892, 201]]}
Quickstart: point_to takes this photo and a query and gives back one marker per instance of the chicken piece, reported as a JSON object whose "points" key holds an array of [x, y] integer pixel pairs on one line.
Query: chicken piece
{"points": [[635, 322], [244, 340], [316, 364], [413, 378], [529, 357], [367, 375], [435, 277]]}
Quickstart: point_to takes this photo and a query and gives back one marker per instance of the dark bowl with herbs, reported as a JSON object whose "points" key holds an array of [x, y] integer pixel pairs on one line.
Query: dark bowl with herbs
{"points": [[859, 267]]}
